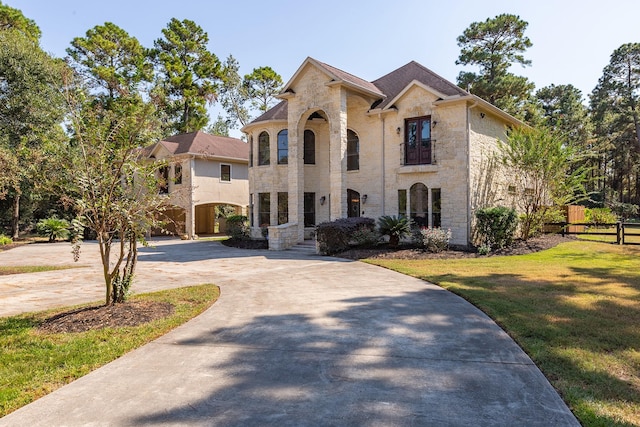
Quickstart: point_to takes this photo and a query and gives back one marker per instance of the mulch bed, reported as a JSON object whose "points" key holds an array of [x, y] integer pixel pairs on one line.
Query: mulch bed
{"points": [[130, 313]]}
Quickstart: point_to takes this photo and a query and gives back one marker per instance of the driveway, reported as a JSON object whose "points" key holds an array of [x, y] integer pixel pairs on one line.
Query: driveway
{"points": [[294, 340]]}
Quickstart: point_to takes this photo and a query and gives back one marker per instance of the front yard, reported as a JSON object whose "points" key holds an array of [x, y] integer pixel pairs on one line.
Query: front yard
{"points": [[575, 309]]}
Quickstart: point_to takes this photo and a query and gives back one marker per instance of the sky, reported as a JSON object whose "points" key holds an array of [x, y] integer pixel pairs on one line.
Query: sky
{"points": [[572, 39]]}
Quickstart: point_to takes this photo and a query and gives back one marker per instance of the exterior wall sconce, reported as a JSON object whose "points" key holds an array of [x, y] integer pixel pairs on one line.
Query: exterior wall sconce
{"points": [[398, 130], [482, 115], [364, 199], [322, 200], [434, 123]]}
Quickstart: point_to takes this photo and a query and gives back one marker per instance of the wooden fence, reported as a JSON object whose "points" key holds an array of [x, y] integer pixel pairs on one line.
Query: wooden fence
{"points": [[621, 231]]}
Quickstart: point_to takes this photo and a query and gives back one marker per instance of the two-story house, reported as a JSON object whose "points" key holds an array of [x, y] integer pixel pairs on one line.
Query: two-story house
{"points": [[409, 143], [199, 172]]}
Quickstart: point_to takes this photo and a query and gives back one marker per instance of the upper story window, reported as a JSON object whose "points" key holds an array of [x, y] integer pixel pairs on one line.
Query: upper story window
{"points": [[251, 151], [353, 151], [177, 174], [225, 173], [417, 145], [263, 149], [163, 179], [283, 147], [309, 147]]}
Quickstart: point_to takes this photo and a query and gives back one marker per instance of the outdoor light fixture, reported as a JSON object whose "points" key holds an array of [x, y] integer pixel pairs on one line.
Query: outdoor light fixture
{"points": [[398, 130], [435, 122], [364, 199], [322, 200]]}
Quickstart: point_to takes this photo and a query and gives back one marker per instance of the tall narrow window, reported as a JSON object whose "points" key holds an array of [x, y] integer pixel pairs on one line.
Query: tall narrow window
{"points": [[353, 203], [263, 149], [264, 209], [251, 151], [417, 146], [419, 201], [283, 147], [436, 207], [309, 209], [251, 210], [353, 151], [225, 173], [283, 208], [163, 180], [177, 174], [309, 147], [402, 202]]}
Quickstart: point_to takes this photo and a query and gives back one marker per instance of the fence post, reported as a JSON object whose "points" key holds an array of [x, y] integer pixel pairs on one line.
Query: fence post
{"points": [[619, 232]]}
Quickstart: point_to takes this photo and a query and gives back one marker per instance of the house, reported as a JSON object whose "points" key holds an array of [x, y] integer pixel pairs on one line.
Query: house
{"points": [[199, 172], [409, 143]]}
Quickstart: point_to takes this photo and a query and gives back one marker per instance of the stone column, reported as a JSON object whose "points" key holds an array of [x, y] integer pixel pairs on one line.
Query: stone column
{"points": [[338, 154]]}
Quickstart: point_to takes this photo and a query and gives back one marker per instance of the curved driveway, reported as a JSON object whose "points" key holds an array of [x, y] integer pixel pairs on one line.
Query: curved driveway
{"points": [[294, 340]]}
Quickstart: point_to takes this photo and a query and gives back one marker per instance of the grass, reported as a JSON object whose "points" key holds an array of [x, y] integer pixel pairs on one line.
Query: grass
{"points": [[6, 270], [575, 309], [33, 363]]}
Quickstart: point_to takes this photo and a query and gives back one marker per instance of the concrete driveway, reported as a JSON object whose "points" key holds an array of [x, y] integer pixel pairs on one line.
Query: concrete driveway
{"points": [[294, 340]]}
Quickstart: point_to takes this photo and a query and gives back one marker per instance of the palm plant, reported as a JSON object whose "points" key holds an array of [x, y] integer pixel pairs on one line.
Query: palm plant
{"points": [[396, 227], [54, 228]]}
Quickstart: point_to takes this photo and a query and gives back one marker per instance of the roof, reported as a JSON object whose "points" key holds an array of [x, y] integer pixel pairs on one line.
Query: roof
{"points": [[203, 144]]}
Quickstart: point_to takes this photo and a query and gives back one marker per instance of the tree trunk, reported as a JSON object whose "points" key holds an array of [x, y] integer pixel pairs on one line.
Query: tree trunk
{"points": [[15, 217]]}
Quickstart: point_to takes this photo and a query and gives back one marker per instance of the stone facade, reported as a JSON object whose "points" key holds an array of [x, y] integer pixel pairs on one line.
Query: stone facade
{"points": [[443, 188]]}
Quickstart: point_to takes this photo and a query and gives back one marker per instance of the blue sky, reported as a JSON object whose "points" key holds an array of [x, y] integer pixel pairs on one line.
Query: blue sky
{"points": [[572, 39]]}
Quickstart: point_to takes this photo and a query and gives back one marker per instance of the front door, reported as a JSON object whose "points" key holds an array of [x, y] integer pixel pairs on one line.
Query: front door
{"points": [[353, 203]]}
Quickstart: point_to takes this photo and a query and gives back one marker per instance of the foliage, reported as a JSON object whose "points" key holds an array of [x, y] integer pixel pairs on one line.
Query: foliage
{"points": [[13, 19], [261, 87], [5, 240], [616, 117], [494, 45], [224, 211], [432, 239], [111, 60], [365, 236], [238, 226], [54, 228], [188, 75], [31, 109], [574, 309], [546, 171], [335, 236], [600, 216], [396, 227], [233, 94], [34, 363], [496, 226]]}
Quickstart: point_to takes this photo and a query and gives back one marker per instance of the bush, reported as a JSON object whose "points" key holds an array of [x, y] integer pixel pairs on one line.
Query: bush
{"points": [[432, 239], [394, 227], [335, 236], [238, 227], [600, 216], [496, 226], [5, 240], [54, 228], [365, 236]]}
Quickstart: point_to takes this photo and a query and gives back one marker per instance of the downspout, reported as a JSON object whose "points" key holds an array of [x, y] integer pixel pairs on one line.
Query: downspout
{"points": [[468, 190]]}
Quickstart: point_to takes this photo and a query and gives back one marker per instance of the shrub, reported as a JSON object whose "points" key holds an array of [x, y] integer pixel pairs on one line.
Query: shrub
{"points": [[365, 236], [599, 216], [5, 240], [496, 226], [54, 228], [432, 239], [335, 236], [238, 226], [396, 227]]}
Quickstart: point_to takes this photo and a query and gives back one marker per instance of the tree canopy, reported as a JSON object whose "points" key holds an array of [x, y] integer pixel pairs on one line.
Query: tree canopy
{"points": [[11, 18]]}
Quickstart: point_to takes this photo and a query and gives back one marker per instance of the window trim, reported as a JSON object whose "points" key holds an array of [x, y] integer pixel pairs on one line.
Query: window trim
{"points": [[283, 135], [419, 150], [264, 148], [351, 155]]}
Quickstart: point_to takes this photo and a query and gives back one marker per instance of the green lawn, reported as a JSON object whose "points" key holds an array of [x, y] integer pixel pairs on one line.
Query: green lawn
{"points": [[6, 270], [575, 309], [34, 363]]}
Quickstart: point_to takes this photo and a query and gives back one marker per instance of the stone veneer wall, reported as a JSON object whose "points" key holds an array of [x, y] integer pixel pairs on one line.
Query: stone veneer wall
{"points": [[283, 236]]}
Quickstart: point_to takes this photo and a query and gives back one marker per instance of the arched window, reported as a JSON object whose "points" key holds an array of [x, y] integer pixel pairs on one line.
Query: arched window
{"points": [[263, 149], [309, 147], [283, 147], [353, 203], [419, 201], [353, 151]]}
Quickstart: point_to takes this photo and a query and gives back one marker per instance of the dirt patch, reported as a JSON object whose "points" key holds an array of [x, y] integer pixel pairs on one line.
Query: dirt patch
{"points": [[519, 247], [131, 313]]}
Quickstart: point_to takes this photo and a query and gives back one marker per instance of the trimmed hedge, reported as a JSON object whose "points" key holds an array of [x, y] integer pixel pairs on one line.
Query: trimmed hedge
{"points": [[335, 236]]}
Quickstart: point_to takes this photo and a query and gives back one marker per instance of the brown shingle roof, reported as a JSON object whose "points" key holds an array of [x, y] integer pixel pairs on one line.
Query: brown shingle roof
{"points": [[351, 79], [277, 112], [200, 143]]}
